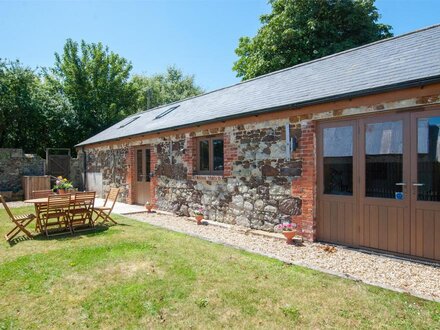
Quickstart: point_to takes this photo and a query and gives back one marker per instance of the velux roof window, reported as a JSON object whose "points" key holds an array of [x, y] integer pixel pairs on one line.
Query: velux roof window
{"points": [[167, 111], [130, 120]]}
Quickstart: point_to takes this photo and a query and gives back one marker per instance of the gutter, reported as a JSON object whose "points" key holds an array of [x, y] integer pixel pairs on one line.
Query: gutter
{"points": [[84, 167], [371, 91]]}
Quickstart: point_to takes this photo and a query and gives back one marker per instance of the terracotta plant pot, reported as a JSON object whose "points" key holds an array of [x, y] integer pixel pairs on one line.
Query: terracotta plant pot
{"points": [[149, 207], [289, 235], [62, 191], [199, 219]]}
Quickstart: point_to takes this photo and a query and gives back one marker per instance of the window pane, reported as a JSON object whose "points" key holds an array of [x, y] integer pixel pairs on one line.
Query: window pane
{"points": [[204, 155], [428, 159], [147, 165], [384, 159], [218, 154], [338, 160], [139, 165]]}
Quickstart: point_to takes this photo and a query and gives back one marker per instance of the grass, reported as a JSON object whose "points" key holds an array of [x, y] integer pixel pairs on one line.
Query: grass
{"points": [[136, 276]]}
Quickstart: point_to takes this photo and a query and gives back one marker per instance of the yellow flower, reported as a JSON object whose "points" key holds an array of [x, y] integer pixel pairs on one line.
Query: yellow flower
{"points": [[60, 177]]}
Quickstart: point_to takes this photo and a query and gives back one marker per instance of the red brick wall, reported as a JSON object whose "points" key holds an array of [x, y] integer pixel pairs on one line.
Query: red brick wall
{"points": [[304, 187], [153, 180], [230, 155], [131, 176]]}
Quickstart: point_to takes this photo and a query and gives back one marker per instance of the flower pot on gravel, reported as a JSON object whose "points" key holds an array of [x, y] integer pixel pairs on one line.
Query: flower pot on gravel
{"points": [[149, 207], [289, 235], [199, 219]]}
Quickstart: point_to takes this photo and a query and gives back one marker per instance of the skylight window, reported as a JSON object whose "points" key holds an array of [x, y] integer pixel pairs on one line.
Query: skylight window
{"points": [[163, 114], [129, 121]]}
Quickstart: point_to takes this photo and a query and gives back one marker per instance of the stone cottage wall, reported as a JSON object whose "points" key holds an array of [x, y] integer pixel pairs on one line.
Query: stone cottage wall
{"points": [[14, 164], [260, 188]]}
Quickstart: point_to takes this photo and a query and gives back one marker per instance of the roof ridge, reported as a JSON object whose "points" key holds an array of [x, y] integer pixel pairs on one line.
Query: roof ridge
{"points": [[296, 66]]}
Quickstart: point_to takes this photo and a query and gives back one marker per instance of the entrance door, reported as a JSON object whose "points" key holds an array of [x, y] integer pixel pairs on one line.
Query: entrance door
{"points": [[143, 170], [425, 184], [379, 183], [384, 149]]}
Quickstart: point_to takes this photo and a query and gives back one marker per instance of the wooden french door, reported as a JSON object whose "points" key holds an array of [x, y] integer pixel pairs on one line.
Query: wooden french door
{"points": [[384, 150], [337, 202], [425, 184], [379, 183], [143, 176]]}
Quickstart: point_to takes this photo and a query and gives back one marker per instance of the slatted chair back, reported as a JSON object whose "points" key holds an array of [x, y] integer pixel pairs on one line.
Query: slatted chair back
{"points": [[8, 211], [81, 209], [84, 200], [42, 193], [58, 203], [111, 198]]}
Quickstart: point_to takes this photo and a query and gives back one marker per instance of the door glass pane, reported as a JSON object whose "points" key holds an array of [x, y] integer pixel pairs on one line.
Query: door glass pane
{"points": [[204, 156], [338, 160], [384, 159], [147, 165], [139, 165], [428, 159], [217, 146]]}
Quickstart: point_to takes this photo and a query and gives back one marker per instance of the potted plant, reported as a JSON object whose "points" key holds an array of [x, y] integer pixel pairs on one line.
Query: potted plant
{"points": [[148, 206], [198, 213], [288, 230], [62, 185]]}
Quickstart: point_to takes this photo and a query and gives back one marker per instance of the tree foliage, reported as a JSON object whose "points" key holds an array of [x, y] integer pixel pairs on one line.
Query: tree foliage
{"points": [[96, 83], [165, 88], [298, 31], [88, 89], [28, 109]]}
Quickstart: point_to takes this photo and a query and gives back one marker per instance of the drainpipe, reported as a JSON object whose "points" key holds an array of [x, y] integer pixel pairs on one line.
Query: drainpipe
{"points": [[84, 167]]}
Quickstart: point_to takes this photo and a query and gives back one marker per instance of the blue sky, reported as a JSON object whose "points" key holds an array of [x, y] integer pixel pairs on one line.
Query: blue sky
{"points": [[198, 36]]}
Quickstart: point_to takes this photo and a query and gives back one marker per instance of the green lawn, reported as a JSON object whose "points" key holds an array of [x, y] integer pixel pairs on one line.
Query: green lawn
{"points": [[135, 276]]}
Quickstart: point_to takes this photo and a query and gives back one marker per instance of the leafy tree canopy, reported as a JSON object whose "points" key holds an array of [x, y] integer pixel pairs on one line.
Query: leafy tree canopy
{"points": [[165, 88], [298, 31], [28, 110], [96, 83]]}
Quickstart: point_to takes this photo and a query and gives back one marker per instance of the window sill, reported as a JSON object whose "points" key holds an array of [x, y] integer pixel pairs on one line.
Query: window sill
{"points": [[208, 177]]}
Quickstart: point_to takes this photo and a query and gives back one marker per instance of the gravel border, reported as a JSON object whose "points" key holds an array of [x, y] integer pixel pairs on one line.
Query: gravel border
{"points": [[397, 274]]}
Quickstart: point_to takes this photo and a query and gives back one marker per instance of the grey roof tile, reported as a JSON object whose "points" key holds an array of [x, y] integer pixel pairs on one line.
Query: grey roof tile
{"points": [[413, 57]]}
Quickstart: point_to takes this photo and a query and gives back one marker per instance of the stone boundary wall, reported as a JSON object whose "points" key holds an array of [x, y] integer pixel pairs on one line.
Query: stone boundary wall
{"points": [[260, 188], [14, 164]]}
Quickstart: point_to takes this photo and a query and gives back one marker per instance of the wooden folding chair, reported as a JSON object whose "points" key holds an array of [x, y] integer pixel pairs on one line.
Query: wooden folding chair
{"points": [[81, 210], [40, 194], [20, 222], [56, 213], [105, 211]]}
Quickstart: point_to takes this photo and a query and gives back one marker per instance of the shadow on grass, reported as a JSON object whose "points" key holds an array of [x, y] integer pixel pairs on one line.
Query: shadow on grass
{"points": [[64, 235]]}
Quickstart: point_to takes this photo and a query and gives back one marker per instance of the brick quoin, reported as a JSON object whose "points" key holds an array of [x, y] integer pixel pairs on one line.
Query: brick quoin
{"points": [[304, 187], [230, 155], [131, 176], [153, 179]]}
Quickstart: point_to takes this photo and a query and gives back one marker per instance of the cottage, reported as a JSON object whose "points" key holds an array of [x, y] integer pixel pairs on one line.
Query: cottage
{"points": [[346, 147]]}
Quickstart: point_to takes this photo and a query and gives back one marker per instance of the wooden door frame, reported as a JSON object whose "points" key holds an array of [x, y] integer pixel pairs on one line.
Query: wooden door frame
{"points": [[144, 174]]}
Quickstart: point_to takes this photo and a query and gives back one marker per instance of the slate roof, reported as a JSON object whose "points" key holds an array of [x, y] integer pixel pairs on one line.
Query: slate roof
{"points": [[408, 60]]}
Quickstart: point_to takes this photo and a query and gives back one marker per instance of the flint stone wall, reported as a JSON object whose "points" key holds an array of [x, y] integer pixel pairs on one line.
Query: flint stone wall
{"points": [[14, 164]]}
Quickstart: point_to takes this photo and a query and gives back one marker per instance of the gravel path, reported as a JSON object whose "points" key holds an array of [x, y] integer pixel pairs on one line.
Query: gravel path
{"points": [[418, 279]]}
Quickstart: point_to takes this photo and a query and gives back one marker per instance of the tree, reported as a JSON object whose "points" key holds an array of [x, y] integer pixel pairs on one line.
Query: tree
{"points": [[164, 88], [96, 83], [298, 31]]}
